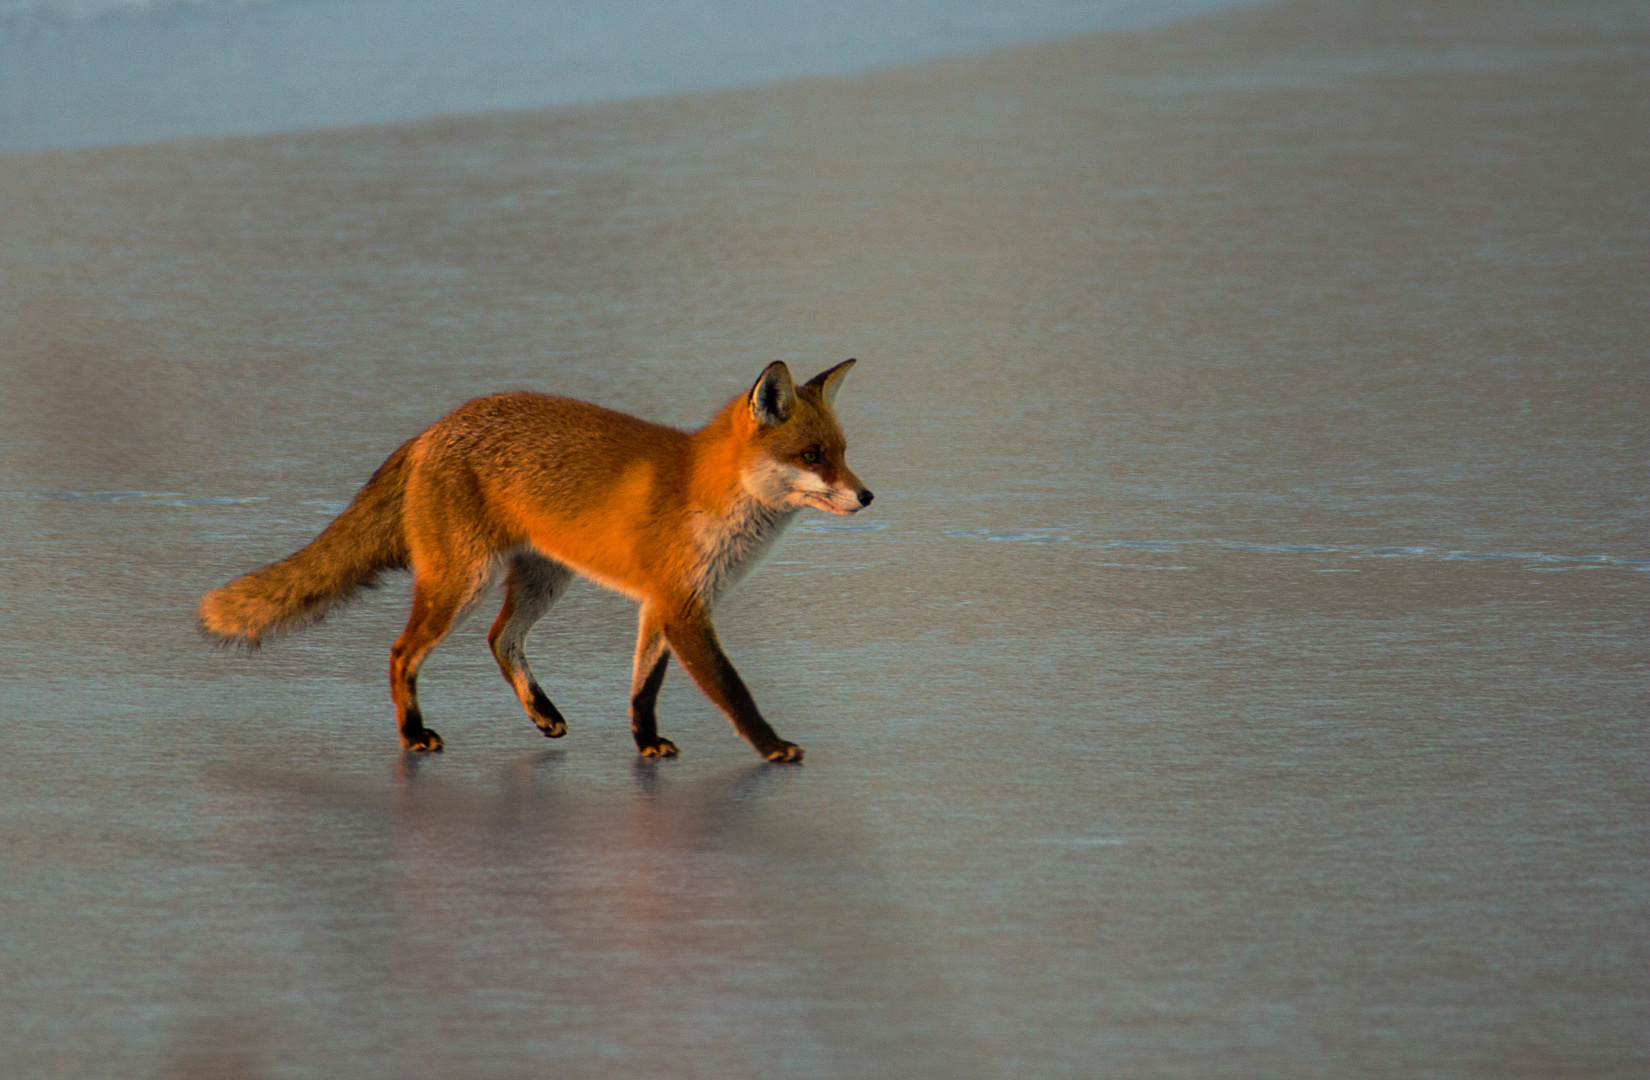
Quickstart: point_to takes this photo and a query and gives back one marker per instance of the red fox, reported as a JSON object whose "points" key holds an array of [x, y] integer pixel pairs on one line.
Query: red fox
{"points": [[534, 489]]}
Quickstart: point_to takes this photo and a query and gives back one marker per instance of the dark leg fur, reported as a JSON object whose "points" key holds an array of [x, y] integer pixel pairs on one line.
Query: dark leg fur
{"points": [[652, 658]]}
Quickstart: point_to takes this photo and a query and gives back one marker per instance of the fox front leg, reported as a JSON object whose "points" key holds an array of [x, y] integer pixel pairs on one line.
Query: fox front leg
{"points": [[652, 657], [693, 640]]}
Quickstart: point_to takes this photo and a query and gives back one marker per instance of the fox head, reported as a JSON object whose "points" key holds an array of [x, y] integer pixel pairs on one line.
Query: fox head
{"points": [[800, 457]]}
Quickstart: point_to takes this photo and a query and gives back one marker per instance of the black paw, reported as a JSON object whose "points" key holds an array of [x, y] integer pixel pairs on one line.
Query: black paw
{"points": [[424, 741], [544, 713], [784, 752], [659, 748]]}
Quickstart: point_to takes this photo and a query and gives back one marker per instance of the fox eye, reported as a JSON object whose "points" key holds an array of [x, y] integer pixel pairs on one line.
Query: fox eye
{"points": [[812, 457]]}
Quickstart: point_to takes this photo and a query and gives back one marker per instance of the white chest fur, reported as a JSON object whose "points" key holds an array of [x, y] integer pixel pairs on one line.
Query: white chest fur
{"points": [[732, 545]]}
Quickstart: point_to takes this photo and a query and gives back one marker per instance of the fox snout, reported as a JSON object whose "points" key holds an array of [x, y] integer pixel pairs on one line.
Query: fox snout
{"points": [[846, 496], [843, 497], [862, 498]]}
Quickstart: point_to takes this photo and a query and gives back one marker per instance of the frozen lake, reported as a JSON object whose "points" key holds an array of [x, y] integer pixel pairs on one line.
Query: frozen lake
{"points": [[1240, 673]]}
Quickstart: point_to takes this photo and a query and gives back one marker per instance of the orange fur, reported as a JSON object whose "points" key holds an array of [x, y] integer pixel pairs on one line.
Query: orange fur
{"points": [[538, 488]]}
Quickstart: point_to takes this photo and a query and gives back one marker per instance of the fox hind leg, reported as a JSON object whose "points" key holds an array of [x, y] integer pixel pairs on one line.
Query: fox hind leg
{"points": [[439, 601], [531, 586]]}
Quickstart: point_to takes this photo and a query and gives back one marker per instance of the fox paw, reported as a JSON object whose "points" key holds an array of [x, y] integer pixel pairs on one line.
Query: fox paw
{"points": [[784, 752], [543, 712], [659, 748], [423, 741]]}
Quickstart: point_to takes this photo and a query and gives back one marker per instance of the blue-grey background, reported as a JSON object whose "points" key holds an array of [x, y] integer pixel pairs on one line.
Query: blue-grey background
{"points": [[1240, 673], [89, 72]]}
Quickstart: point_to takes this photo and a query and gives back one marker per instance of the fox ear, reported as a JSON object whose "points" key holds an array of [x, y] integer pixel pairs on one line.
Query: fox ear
{"points": [[829, 382], [774, 395]]}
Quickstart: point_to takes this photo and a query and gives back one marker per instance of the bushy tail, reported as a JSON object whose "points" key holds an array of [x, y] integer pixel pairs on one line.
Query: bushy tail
{"points": [[368, 537]]}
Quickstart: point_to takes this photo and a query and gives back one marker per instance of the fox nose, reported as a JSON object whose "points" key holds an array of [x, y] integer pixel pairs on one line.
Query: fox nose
{"points": [[865, 497]]}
